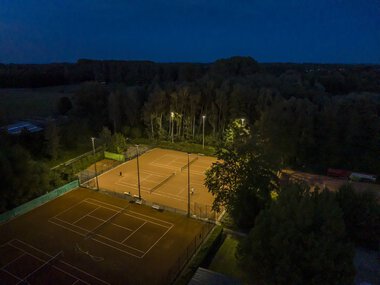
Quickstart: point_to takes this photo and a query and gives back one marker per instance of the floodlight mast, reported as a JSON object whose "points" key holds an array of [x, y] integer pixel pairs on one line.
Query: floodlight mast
{"points": [[203, 131], [172, 118], [96, 172], [138, 171], [188, 185]]}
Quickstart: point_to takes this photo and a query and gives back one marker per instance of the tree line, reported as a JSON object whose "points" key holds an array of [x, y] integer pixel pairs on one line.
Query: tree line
{"points": [[311, 116]]}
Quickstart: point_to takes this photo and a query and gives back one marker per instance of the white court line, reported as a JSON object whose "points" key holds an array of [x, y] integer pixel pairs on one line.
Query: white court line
{"points": [[117, 242], [97, 234], [130, 185], [85, 215], [67, 273], [117, 248], [131, 211], [10, 273], [69, 208], [168, 196], [164, 166], [133, 232], [157, 241], [97, 202], [154, 173], [62, 226], [111, 223], [165, 155], [165, 222], [72, 266], [13, 260], [146, 221], [126, 214]]}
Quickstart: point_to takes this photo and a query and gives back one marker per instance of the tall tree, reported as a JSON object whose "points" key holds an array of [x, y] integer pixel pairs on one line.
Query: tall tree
{"points": [[299, 239], [243, 179]]}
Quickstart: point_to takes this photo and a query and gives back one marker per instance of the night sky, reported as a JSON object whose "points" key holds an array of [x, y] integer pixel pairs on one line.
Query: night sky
{"points": [[323, 31]]}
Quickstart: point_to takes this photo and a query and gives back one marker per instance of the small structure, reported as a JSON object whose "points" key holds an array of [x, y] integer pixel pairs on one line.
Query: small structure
{"points": [[17, 128], [204, 276]]}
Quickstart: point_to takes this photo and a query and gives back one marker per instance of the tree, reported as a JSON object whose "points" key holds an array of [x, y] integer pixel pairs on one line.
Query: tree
{"points": [[361, 213], [118, 143], [64, 105], [242, 180], [51, 140], [22, 178], [299, 239]]}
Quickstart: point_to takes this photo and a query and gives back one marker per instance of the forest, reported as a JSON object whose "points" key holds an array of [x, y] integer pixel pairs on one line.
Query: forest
{"points": [[311, 116]]}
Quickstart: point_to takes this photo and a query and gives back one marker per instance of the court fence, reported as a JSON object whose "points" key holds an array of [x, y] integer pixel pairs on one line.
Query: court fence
{"points": [[86, 177], [197, 210], [188, 253], [28, 206]]}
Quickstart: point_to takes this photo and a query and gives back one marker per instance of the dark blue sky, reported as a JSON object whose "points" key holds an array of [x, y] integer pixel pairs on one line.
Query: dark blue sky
{"points": [[326, 31]]}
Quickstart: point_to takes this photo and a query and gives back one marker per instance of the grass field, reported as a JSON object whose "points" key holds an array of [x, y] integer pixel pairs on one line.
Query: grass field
{"points": [[163, 180], [225, 261], [85, 237], [21, 103]]}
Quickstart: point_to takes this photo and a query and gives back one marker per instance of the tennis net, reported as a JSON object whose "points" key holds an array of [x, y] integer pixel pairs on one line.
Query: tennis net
{"points": [[190, 163], [162, 182]]}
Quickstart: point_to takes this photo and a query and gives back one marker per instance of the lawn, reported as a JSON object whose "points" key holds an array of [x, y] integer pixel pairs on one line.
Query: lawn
{"points": [[225, 261], [23, 103]]}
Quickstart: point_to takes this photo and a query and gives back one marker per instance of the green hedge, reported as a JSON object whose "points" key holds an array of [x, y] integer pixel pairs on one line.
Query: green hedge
{"points": [[207, 250]]}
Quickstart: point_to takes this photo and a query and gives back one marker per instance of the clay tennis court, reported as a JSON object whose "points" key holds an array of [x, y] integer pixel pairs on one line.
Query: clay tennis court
{"points": [[163, 178], [85, 237], [331, 183]]}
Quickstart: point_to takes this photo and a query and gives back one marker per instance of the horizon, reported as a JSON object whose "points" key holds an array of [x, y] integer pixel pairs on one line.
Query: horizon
{"points": [[187, 62]]}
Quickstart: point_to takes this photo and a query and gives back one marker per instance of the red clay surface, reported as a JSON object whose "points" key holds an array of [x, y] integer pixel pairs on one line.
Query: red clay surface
{"points": [[330, 182], [156, 166], [96, 239]]}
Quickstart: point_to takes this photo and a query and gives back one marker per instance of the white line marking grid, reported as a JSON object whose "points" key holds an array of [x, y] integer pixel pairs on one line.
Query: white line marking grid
{"points": [[129, 235], [26, 251]]}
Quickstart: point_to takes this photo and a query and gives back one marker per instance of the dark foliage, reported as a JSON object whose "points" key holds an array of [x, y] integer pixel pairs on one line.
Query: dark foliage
{"points": [[361, 213], [299, 239]]}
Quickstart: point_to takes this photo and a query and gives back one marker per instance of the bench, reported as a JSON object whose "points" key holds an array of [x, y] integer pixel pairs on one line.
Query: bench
{"points": [[138, 201], [156, 207]]}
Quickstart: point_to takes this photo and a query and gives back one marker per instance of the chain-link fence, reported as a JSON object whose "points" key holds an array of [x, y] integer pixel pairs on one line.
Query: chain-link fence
{"points": [[87, 177], [188, 253]]}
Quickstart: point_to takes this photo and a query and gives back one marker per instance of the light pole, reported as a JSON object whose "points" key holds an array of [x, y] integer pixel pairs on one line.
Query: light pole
{"points": [[242, 122], [138, 171], [172, 117], [188, 184], [203, 131], [96, 172]]}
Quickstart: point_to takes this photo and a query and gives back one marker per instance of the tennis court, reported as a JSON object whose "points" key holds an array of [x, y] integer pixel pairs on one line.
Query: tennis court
{"points": [[85, 237], [163, 179]]}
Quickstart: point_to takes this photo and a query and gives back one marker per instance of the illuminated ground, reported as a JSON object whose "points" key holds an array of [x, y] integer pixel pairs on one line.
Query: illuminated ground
{"points": [[91, 238]]}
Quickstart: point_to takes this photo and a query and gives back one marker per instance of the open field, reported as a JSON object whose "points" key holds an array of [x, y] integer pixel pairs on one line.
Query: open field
{"points": [[163, 178], [85, 237], [330, 182], [21, 103]]}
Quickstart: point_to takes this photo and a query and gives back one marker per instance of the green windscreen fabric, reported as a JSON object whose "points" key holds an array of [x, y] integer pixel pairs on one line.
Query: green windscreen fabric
{"points": [[24, 208], [114, 156]]}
